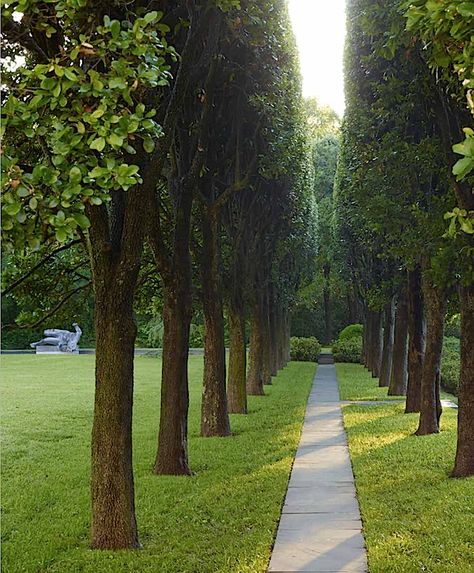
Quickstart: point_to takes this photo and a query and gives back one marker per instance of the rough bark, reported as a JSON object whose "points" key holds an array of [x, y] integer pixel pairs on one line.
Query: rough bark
{"points": [[365, 340], [464, 463], [430, 406], [416, 343], [115, 249], [399, 374], [114, 524], [266, 367], [274, 366], [387, 354], [214, 415], [236, 383], [255, 373], [172, 452], [375, 342]]}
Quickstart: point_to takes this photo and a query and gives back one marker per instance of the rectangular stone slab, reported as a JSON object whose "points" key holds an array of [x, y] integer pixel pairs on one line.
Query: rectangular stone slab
{"points": [[320, 530]]}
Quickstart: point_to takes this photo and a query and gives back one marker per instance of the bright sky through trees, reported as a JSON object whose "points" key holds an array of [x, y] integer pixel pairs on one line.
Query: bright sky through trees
{"points": [[319, 26]]}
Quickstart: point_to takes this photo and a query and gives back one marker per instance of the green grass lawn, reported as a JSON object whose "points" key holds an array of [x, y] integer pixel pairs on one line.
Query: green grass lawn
{"points": [[223, 519], [356, 383], [415, 517]]}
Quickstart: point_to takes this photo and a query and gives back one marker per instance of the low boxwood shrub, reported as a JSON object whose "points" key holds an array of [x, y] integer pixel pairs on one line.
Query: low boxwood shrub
{"points": [[304, 349], [348, 349], [353, 330], [450, 364]]}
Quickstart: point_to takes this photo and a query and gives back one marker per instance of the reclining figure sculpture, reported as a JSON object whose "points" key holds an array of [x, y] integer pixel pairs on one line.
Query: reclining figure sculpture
{"points": [[65, 341]]}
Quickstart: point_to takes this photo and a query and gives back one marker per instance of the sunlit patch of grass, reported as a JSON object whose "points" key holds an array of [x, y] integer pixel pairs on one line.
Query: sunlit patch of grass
{"points": [[415, 517], [357, 383], [221, 520]]}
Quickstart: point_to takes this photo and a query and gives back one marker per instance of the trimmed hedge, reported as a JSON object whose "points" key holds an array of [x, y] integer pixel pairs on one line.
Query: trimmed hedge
{"points": [[450, 364], [348, 347], [304, 349], [348, 350], [351, 331]]}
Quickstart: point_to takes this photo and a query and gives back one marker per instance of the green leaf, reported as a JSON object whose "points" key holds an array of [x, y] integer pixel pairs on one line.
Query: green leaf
{"points": [[61, 234], [98, 144], [75, 175], [463, 167], [115, 140], [466, 9], [82, 220], [12, 208], [117, 83], [148, 144], [115, 29], [150, 16]]}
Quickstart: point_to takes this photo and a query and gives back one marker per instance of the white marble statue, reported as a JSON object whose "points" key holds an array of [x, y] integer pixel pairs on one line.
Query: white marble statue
{"points": [[65, 341]]}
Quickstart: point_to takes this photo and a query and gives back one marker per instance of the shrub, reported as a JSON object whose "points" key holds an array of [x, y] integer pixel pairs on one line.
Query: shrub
{"points": [[304, 349], [351, 331], [348, 349], [450, 364]]}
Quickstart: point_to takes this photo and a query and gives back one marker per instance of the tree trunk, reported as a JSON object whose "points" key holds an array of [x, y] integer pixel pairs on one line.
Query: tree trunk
{"points": [[328, 335], [430, 407], [236, 383], [114, 524], [416, 344], [365, 340], [286, 348], [280, 336], [255, 374], [266, 369], [172, 453], [387, 354], [375, 342], [274, 366], [214, 415], [464, 464], [399, 375]]}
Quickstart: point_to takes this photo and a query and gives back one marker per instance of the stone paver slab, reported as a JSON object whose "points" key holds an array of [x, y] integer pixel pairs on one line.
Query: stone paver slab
{"points": [[320, 530]]}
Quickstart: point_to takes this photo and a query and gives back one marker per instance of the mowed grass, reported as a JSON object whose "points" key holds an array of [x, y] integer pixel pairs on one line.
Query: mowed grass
{"points": [[223, 519], [415, 517], [356, 383]]}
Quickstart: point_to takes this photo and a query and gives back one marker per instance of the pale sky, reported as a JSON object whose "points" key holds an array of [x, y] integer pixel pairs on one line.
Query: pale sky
{"points": [[319, 27]]}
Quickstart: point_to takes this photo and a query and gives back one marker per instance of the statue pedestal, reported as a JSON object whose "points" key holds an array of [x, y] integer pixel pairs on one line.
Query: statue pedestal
{"points": [[53, 350]]}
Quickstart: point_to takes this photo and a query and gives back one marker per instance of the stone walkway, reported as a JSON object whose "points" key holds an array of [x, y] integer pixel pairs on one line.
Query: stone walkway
{"points": [[320, 526]]}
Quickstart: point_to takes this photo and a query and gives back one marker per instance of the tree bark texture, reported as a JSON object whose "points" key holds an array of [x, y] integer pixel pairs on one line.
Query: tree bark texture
{"points": [[274, 366], [430, 407], [266, 369], [464, 463], [416, 342], [115, 250], [114, 524], [387, 353], [214, 415], [375, 342], [172, 452], [399, 375], [255, 373], [237, 376]]}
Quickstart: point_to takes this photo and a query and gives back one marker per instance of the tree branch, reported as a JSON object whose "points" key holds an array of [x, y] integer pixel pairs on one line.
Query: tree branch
{"points": [[43, 261]]}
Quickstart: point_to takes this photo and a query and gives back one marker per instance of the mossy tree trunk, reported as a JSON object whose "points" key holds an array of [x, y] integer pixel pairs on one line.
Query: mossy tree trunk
{"points": [[255, 373], [416, 344], [237, 376], [464, 463], [214, 414], [399, 375], [387, 354], [430, 406]]}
